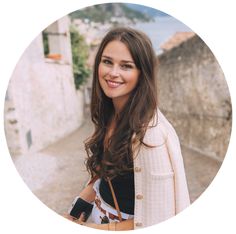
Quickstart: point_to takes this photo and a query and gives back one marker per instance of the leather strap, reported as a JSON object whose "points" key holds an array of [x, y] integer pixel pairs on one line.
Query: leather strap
{"points": [[114, 199]]}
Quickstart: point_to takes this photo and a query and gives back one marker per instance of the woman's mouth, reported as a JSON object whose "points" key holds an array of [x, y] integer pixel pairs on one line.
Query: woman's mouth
{"points": [[113, 84]]}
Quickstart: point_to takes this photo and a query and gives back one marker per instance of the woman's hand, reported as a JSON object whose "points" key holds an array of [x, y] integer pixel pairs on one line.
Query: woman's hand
{"points": [[80, 220], [120, 226]]}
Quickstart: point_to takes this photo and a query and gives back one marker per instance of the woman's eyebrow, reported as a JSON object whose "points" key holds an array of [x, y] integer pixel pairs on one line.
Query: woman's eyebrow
{"points": [[123, 61]]}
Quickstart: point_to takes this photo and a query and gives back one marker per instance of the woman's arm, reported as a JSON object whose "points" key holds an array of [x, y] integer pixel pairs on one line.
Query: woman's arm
{"points": [[86, 197], [114, 226], [182, 199], [119, 226], [88, 193]]}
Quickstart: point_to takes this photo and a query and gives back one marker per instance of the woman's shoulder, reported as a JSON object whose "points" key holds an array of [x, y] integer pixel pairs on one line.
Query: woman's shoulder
{"points": [[159, 129]]}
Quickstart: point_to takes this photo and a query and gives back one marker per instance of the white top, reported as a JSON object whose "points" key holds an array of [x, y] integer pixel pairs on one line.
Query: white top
{"points": [[106, 206]]}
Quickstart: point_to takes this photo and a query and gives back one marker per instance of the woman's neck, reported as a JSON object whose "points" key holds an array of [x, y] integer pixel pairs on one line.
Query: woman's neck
{"points": [[118, 104]]}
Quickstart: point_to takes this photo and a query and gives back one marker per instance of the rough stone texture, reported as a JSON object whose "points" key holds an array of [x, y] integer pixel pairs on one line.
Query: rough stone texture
{"points": [[195, 98], [200, 171], [42, 104]]}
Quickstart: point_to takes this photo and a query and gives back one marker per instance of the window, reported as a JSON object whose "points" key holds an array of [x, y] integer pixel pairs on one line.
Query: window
{"points": [[56, 43]]}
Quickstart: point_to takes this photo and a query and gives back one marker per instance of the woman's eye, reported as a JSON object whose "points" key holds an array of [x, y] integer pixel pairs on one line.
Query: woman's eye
{"points": [[106, 61], [127, 66]]}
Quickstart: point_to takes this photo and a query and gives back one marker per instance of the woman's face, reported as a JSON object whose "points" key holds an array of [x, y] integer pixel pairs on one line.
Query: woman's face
{"points": [[117, 72]]}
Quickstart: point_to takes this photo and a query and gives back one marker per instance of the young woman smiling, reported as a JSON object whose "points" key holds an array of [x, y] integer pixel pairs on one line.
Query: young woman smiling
{"points": [[134, 150]]}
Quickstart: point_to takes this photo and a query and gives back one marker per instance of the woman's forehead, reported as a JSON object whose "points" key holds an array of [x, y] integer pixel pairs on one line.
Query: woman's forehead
{"points": [[117, 50]]}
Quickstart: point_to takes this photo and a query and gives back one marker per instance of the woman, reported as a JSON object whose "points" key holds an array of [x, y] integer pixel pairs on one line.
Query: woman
{"points": [[134, 149]]}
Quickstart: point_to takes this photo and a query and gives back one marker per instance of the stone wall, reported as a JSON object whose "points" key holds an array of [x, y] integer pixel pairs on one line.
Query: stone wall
{"points": [[194, 96], [42, 104]]}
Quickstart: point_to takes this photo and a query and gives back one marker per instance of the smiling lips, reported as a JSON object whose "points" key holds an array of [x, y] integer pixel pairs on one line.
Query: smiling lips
{"points": [[113, 84]]}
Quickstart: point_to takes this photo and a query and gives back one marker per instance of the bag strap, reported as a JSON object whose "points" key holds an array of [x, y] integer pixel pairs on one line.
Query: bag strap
{"points": [[114, 199]]}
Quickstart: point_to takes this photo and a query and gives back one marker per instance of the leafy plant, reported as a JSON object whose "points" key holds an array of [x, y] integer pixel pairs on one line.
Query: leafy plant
{"points": [[80, 52]]}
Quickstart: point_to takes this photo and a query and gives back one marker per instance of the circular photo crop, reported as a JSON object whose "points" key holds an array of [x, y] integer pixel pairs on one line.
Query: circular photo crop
{"points": [[117, 116]]}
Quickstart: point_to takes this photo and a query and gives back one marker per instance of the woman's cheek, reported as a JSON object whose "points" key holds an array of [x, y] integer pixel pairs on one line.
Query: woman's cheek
{"points": [[101, 71]]}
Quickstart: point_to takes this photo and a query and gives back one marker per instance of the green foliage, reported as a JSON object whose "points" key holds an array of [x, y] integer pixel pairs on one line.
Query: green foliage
{"points": [[133, 14], [104, 12], [80, 52]]}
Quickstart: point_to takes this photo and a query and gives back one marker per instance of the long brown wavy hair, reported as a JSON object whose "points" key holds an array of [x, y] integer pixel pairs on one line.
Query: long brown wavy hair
{"points": [[135, 116]]}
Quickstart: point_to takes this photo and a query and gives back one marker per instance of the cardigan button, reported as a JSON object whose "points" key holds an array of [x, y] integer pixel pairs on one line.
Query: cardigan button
{"points": [[137, 169], [139, 196], [138, 224]]}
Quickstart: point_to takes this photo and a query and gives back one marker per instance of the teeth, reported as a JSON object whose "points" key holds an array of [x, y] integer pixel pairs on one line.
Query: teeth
{"points": [[113, 83]]}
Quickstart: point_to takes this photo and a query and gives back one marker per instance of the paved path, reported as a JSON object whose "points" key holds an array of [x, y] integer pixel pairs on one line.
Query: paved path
{"points": [[57, 174]]}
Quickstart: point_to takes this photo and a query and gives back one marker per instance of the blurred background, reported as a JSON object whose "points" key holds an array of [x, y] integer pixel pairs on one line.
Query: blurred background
{"points": [[46, 112]]}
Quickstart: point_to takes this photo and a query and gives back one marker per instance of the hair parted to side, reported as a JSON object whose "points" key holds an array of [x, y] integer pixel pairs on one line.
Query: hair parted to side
{"points": [[136, 114]]}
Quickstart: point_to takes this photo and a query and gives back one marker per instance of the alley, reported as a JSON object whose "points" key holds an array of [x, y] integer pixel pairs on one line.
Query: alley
{"points": [[57, 174]]}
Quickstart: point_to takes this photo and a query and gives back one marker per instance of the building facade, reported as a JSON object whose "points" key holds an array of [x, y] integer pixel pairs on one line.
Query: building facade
{"points": [[42, 104]]}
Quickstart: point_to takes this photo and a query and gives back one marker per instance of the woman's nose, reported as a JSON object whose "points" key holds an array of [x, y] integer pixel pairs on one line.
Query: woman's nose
{"points": [[114, 72]]}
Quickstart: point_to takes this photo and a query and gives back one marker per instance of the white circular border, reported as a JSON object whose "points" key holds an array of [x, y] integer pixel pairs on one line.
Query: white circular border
{"points": [[21, 21]]}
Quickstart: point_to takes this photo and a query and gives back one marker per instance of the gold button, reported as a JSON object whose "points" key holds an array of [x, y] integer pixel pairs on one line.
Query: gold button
{"points": [[137, 169], [139, 196], [138, 224]]}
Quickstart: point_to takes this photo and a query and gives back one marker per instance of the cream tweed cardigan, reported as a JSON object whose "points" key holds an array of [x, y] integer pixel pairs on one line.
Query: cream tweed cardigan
{"points": [[160, 183]]}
